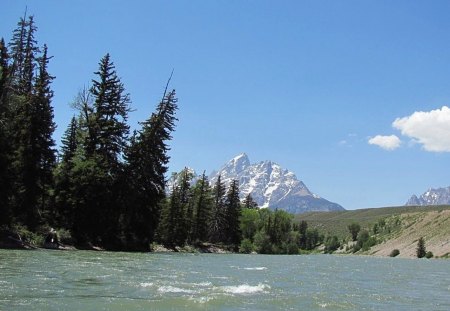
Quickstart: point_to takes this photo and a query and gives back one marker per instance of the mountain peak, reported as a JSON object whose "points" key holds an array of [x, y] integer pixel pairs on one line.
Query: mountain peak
{"points": [[439, 196], [271, 186], [236, 165]]}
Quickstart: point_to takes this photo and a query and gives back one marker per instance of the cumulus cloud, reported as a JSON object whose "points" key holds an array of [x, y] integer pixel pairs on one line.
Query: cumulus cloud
{"points": [[431, 129], [386, 142]]}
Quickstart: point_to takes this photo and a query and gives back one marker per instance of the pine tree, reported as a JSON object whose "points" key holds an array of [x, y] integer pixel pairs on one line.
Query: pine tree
{"points": [[98, 168], [17, 48], [233, 213], [249, 202], [44, 121], [421, 250], [176, 219], [29, 61], [69, 141], [63, 189], [147, 161], [218, 218], [4, 75], [111, 105], [5, 148], [203, 206], [31, 115]]}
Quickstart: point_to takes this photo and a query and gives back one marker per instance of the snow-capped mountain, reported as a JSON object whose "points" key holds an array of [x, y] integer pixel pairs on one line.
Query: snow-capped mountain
{"points": [[272, 186], [439, 196]]}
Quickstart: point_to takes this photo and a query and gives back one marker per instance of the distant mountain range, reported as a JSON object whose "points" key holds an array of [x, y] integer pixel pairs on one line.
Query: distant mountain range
{"points": [[271, 186], [439, 196]]}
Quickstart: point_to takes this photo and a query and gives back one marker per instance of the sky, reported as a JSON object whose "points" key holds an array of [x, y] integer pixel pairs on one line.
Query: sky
{"points": [[352, 96]]}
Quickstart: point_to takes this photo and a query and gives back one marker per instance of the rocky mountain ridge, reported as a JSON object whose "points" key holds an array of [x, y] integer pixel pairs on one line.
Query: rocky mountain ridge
{"points": [[271, 186], [438, 196]]}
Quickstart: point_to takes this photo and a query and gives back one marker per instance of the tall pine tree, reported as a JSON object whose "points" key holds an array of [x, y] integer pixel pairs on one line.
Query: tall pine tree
{"points": [[31, 114], [218, 223], [147, 160], [98, 168], [111, 105], [203, 205], [233, 213], [5, 148]]}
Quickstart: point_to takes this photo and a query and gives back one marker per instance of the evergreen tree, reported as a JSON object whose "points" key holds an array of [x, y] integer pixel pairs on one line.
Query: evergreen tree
{"points": [[203, 205], [111, 105], [354, 228], [218, 224], [176, 220], [31, 115], [302, 229], [147, 160], [5, 148], [17, 48], [29, 62], [63, 190], [44, 122], [249, 202], [421, 250], [99, 180], [170, 217], [69, 141], [233, 213], [4, 75]]}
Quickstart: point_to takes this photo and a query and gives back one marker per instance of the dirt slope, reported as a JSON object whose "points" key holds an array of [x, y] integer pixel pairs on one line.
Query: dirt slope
{"points": [[433, 226]]}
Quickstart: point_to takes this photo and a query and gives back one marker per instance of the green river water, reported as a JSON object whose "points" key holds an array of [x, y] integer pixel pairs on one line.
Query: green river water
{"points": [[87, 280]]}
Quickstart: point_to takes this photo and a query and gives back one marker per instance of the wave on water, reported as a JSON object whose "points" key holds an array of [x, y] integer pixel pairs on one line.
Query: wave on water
{"points": [[146, 284], [173, 289], [245, 289], [255, 268]]}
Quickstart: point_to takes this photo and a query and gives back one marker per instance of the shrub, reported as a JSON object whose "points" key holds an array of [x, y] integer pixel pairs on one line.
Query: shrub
{"points": [[394, 253], [429, 255], [354, 228], [262, 243], [292, 248], [246, 246], [421, 250], [331, 244], [65, 236]]}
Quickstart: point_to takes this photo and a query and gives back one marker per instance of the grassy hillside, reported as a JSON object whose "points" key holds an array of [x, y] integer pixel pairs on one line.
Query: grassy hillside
{"points": [[403, 227]]}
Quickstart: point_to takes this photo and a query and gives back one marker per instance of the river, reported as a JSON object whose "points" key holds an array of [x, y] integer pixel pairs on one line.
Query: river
{"points": [[88, 280]]}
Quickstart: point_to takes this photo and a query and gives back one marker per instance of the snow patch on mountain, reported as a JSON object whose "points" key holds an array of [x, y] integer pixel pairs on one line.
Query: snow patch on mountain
{"points": [[439, 196], [271, 186]]}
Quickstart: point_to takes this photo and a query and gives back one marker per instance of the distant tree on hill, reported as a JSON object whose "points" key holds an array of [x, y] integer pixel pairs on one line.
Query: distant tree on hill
{"points": [[354, 229], [421, 250], [249, 202], [331, 244]]}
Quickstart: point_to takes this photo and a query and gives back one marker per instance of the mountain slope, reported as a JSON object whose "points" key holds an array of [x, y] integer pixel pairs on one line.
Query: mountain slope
{"points": [[272, 186], [439, 196], [404, 226]]}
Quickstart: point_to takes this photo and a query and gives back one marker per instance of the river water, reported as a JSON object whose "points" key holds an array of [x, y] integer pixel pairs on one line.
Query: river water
{"points": [[87, 280]]}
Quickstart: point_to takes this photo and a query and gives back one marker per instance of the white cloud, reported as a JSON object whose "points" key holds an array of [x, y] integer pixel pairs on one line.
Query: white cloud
{"points": [[431, 129], [386, 142]]}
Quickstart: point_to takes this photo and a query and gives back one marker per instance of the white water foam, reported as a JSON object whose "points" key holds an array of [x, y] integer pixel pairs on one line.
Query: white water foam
{"points": [[255, 268], [173, 289], [245, 289], [201, 284], [146, 284]]}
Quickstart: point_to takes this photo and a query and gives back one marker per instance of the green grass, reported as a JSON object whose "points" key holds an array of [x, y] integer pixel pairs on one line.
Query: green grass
{"points": [[336, 223]]}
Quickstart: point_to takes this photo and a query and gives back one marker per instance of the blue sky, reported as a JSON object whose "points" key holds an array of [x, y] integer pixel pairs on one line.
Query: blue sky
{"points": [[307, 84]]}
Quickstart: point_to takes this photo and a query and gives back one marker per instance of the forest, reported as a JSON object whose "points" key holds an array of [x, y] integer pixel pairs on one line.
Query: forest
{"points": [[106, 185]]}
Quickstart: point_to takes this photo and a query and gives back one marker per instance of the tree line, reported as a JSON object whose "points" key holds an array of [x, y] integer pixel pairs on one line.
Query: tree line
{"points": [[197, 212], [106, 184]]}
